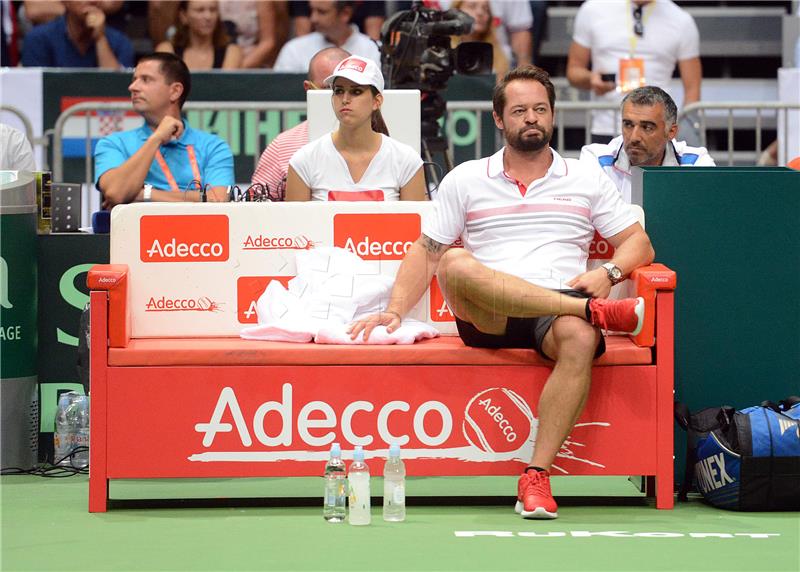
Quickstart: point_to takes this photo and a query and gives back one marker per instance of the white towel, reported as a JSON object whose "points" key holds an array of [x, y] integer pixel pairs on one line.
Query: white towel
{"points": [[333, 287]]}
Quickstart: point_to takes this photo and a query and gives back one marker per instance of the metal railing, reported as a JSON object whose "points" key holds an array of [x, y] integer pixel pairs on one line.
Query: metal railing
{"points": [[201, 107], [569, 114], [726, 109], [580, 113]]}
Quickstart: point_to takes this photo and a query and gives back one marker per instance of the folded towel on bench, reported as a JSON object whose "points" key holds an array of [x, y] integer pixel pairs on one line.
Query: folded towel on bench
{"points": [[332, 288]]}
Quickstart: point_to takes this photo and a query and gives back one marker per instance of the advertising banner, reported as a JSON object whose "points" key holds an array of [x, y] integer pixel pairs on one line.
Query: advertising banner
{"points": [[198, 270], [64, 261], [282, 420]]}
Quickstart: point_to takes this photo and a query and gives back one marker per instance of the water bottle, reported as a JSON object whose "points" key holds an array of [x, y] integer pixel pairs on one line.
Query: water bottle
{"points": [[358, 479], [71, 435], [333, 509], [394, 487]]}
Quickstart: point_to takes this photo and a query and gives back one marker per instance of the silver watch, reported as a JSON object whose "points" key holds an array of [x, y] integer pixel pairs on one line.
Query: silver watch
{"points": [[614, 273], [147, 193]]}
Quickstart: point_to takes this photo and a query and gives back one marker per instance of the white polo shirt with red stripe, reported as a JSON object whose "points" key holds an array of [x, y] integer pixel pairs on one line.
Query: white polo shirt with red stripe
{"points": [[540, 233], [323, 169]]}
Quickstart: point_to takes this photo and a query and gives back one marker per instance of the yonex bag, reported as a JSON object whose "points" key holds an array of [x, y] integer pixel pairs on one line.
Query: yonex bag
{"points": [[744, 460]]}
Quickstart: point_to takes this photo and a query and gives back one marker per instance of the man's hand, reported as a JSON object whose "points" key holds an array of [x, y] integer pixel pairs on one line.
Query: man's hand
{"points": [[96, 22], [594, 283], [599, 87], [169, 129], [389, 319]]}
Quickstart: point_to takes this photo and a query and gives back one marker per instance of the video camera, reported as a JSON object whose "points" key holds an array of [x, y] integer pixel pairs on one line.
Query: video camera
{"points": [[416, 52]]}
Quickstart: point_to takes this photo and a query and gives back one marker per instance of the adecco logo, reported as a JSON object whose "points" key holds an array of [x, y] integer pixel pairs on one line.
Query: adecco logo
{"points": [[183, 238], [164, 304], [248, 291], [262, 242], [352, 63], [376, 236], [600, 248], [298, 421], [439, 310]]}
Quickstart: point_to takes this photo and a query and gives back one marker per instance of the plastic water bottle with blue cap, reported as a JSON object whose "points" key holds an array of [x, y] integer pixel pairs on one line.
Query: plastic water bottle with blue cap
{"points": [[333, 508], [394, 487], [358, 479]]}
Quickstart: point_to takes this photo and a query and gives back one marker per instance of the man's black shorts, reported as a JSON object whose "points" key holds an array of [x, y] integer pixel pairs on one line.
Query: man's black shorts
{"points": [[523, 333]]}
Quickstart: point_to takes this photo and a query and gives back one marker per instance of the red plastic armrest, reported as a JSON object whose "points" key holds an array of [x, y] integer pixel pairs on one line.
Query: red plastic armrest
{"points": [[648, 280], [113, 278]]}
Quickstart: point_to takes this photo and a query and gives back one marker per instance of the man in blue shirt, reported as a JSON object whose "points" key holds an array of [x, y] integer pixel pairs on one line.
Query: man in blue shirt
{"points": [[78, 39], [164, 159]]}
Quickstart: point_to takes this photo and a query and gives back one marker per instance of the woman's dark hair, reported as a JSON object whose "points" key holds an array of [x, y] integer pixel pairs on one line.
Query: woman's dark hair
{"points": [[180, 40], [378, 124]]}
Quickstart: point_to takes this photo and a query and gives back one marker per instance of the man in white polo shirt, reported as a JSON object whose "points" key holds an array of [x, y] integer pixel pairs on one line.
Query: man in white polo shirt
{"points": [[526, 217], [332, 28], [619, 45], [649, 127]]}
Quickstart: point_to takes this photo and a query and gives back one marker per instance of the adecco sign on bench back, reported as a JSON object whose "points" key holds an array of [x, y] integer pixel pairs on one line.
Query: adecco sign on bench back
{"points": [[228, 252], [184, 238]]}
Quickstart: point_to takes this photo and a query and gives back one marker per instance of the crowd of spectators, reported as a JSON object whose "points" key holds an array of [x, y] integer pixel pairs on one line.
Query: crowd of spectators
{"points": [[230, 34]]}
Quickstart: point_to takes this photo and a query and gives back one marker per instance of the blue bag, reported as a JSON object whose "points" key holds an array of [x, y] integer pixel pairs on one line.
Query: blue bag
{"points": [[744, 460]]}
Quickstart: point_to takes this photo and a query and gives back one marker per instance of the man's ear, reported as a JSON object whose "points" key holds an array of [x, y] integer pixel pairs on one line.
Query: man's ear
{"points": [[498, 121], [673, 131], [346, 13], [175, 91], [307, 85]]}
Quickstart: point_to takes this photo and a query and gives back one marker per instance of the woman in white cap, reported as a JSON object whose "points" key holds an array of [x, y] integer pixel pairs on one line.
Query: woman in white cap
{"points": [[358, 161]]}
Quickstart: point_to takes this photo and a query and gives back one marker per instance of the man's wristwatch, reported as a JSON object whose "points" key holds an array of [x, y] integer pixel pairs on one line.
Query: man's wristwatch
{"points": [[614, 273], [147, 193]]}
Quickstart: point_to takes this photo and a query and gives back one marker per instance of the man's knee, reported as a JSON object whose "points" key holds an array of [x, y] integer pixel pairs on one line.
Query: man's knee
{"points": [[455, 265], [575, 338]]}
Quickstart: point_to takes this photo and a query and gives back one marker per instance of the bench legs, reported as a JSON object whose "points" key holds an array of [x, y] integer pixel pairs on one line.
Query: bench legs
{"points": [[98, 476]]}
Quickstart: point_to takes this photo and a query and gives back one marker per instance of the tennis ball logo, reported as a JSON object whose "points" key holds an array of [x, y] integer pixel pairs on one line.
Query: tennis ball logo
{"points": [[497, 420]]}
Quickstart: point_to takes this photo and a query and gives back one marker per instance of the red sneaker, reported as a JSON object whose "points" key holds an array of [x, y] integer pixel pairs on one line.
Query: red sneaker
{"points": [[534, 499], [618, 315]]}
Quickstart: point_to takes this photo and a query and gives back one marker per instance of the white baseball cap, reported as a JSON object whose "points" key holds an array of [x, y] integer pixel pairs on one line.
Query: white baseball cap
{"points": [[360, 70]]}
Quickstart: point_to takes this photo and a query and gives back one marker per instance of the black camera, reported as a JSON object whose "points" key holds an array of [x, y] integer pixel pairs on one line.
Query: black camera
{"points": [[416, 52]]}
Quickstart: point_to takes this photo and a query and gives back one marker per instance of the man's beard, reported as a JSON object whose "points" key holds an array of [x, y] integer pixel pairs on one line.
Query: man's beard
{"points": [[639, 156], [517, 142]]}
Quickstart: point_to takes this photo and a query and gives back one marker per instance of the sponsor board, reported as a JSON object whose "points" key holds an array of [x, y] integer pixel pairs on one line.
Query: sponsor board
{"points": [[184, 238], [600, 248], [376, 236], [198, 269], [248, 291], [286, 420], [439, 310]]}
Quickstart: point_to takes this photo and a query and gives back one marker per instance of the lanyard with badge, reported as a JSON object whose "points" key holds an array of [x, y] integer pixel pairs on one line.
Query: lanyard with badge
{"points": [[631, 69], [173, 184]]}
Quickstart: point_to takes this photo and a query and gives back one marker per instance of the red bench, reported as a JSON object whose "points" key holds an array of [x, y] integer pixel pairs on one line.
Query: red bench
{"points": [[226, 407]]}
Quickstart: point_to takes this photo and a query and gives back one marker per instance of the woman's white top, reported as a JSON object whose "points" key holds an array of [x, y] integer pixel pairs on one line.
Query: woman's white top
{"points": [[323, 169]]}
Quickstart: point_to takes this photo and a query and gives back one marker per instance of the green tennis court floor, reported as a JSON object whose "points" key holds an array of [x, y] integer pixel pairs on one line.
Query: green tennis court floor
{"points": [[45, 526]]}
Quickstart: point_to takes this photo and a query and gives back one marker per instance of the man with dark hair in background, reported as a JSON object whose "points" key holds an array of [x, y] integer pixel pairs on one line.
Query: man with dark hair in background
{"points": [[78, 39], [274, 162], [165, 155], [649, 127], [332, 28], [526, 217]]}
